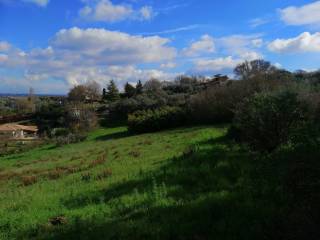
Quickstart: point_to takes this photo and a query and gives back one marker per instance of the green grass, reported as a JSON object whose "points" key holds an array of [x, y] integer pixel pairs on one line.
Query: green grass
{"points": [[178, 184]]}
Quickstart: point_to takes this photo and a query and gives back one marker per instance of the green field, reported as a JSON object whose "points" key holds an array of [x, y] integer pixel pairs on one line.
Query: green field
{"points": [[178, 184]]}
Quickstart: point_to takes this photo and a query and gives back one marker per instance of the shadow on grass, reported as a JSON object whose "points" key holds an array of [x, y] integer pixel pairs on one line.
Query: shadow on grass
{"points": [[113, 136], [195, 196]]}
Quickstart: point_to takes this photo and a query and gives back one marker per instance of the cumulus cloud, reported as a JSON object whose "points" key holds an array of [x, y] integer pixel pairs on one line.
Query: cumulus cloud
{"points": [[107, 11], [41, 3], [239, 44], [4, 46], [305, 15], [168, 65], [305, 42], [79, 55], [213, 65], [112, 47], [204, 45]]}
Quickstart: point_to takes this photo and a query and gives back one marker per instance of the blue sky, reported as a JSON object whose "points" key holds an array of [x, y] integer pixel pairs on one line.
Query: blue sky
{"points": [[51, 45]]}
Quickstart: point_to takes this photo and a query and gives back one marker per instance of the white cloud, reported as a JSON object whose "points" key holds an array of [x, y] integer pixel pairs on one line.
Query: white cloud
{"points": [[146, 13], [4, 46], [107, 11], [305, 15], [3, 57], [305, 42], [111, 47], [41, 3], [168, 65], [257, 42], [239, 44], [258, 22], [212, 65], [80, 55], [204, 45]]}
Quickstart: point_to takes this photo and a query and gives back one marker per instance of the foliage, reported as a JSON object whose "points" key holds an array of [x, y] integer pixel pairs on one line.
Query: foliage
{"points": [[189, 183], [129, 90], [213, 105], [268, 120], [139, 87], [70, 138], [112, 93], [155, 120], [50, 115], [86, 92], [255, 68]]}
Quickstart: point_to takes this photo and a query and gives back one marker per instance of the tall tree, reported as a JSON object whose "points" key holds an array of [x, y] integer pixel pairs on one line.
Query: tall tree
{"points": [[129, 90], [112, 94], [104, 93], [253, 68], [139, 87]]}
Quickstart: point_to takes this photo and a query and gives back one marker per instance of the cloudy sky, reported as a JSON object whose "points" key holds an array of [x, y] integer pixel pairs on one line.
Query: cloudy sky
{"points": [[51, 45]]}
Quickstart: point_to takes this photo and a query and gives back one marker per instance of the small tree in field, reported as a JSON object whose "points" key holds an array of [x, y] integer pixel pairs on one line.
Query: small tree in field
{"points": [[112, 94]]}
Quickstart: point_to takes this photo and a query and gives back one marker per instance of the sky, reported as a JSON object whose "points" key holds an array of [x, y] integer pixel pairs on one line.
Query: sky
{"points": [[52, 45]]}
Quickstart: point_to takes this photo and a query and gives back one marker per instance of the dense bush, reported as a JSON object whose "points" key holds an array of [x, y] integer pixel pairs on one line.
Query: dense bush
{"points": [[154, 120], [214, 105], [50, 115], [267, 120], [70, 138]]}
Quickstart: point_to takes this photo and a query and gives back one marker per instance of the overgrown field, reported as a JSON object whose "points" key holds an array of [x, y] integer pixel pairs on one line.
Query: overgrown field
{"points": [[178, 184]]}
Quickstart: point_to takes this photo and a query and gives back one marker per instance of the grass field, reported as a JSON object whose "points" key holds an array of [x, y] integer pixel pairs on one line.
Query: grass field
{"points": [[178, 184]]}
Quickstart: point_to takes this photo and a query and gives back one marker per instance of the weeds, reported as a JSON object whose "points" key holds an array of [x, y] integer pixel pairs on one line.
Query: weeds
{"points": [[28, 180], [104, 174], [135, 153]]}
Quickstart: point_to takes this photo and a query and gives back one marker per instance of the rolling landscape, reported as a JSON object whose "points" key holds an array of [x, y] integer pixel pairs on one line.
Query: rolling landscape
{"points": [[132, 120]]}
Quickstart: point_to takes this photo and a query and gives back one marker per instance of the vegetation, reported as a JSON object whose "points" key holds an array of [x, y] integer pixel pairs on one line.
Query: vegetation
{"points": [[155, 120], [254, 177]]}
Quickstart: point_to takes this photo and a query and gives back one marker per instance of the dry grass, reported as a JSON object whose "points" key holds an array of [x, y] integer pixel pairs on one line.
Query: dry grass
{"points": [[28, 180], [104, 174], [99, 161], [135, 153]]}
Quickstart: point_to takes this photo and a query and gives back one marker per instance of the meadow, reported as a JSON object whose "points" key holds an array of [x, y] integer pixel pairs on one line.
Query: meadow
{"points": [[178, 184]]}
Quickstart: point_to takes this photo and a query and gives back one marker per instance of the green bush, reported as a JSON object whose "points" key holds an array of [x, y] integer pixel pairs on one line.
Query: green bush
{"points": [[155, 120], [268, 120], [70, 138]]}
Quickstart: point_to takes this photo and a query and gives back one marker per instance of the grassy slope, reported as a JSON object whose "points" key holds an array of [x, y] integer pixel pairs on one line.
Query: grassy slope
{"points": [[175, 184]]}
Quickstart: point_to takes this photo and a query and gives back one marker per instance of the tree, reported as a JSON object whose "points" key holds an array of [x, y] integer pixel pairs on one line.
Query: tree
{"points": [[153, 85], [86, 92], [77, 94], [112, 94], [129, 90], [248, 70], [104, 93], [139, 87], [93, 91]]}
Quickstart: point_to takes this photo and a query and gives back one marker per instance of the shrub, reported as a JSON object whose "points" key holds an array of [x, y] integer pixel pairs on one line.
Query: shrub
{"points": [[60, 132], [70, 138], [213, 105], [155, 120], [267, 120]]}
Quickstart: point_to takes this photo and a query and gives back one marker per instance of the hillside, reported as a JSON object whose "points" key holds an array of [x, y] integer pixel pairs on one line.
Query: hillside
{"points": [[174, 184]]}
